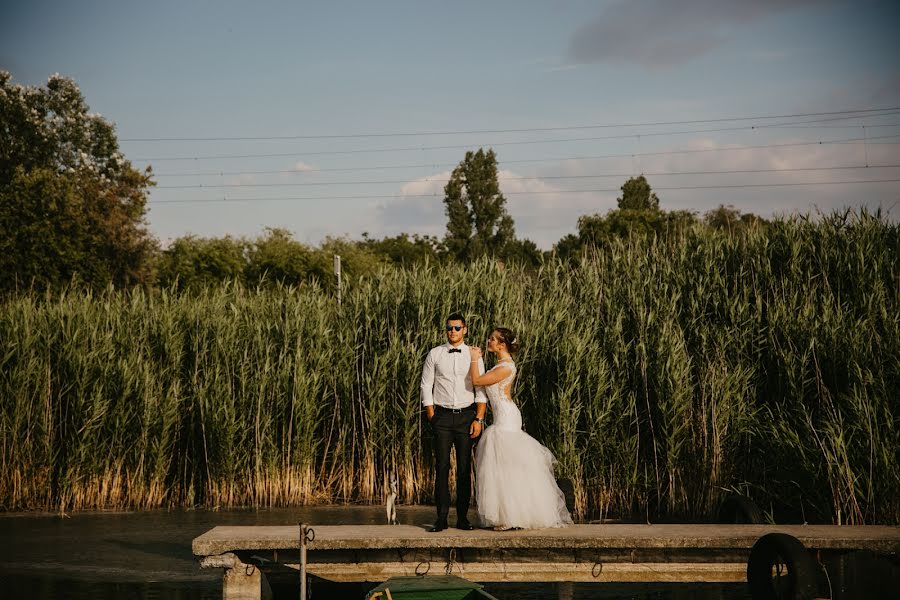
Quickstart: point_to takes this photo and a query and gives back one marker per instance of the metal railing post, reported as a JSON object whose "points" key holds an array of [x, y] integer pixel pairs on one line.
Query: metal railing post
{"points": [[304, 529]]}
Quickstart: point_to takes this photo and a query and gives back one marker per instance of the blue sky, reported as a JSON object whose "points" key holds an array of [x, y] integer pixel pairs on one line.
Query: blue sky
{"points": [[268, 69]]}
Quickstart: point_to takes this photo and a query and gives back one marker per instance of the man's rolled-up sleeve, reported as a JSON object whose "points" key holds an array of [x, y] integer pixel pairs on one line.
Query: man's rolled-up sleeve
{"points": [[479, 391], [427, 385]]}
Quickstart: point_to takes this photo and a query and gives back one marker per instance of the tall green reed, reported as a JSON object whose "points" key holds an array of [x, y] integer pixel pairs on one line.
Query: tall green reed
{"points": [[663, 373]]}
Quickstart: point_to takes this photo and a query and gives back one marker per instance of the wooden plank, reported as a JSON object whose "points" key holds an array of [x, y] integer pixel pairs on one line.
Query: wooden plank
{"points": [[881, 539], [542, 572]]}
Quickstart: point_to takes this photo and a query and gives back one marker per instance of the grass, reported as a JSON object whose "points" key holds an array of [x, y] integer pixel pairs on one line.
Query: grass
{"points": [[663, 373]]}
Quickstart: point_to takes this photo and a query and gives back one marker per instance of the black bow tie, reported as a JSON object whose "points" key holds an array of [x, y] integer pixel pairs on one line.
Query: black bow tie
{"points": [[452, 350]]}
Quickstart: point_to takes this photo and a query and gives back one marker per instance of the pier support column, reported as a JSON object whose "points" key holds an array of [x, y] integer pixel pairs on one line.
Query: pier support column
{"points": [[241, 581]]}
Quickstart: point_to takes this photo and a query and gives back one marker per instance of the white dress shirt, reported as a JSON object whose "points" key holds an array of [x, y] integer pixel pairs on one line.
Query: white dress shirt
{"points": [[446, 380]]}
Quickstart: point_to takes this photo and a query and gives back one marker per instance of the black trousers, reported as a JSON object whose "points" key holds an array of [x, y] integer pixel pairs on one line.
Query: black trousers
{"points": [[452, 430]]}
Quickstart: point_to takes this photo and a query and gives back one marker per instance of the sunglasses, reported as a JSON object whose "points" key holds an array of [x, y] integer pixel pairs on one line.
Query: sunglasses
{"points": [[456, 327]]}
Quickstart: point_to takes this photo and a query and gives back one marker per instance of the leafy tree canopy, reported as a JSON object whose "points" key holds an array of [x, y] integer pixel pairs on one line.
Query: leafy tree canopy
{"points": [[356, 260], [524, 252], [477, 221], [70, 204], [192, 263], [637, 195], [729, 219], [405, 250], [638, 213], [278, 258]]}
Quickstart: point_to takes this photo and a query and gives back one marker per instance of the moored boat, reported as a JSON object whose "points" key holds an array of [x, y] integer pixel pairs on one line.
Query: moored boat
{"points": [[423, 587]]}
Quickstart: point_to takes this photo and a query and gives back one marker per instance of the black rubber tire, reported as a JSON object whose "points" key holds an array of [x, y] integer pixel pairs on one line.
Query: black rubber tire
{"points": [[740, 510], [802, 579]]}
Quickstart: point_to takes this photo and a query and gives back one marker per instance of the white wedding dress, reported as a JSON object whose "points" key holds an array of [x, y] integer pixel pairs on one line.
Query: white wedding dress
{"points": [[514, 481]]}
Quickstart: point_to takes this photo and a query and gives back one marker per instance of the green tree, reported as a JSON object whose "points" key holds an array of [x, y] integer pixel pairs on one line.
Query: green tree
{"points": [[192, 263], [626, 222], [524, 252], [71, 205], [569, 247], [477, 221], [406, 250], [278, 258], [637, 195], [730, 219], [638, 213], [356, 260]]}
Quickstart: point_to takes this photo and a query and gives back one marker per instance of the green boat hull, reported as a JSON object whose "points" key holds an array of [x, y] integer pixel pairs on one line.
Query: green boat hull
{"points": [[437, 587]]}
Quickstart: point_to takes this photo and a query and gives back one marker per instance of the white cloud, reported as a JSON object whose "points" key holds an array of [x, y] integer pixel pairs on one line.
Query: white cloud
{"points": [[241, 180], [544, 212], [298, 168], [432, 185], [418, 208]]}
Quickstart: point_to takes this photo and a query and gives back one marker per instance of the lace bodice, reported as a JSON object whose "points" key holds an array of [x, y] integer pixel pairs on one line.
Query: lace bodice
{"points": [[505, 412], [502, 390]]}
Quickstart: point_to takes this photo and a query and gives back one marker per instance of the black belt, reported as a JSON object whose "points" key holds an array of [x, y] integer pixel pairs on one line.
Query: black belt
{"points": [[455, 411]]}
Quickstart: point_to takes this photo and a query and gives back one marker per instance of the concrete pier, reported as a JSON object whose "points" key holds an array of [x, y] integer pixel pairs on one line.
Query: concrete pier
{"points": [[592, 553]]}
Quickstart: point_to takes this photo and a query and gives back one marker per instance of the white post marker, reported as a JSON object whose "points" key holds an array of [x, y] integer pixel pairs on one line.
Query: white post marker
{"points": [[337, 272]]}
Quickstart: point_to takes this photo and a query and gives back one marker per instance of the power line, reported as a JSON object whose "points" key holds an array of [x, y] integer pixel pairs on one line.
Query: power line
{"points": [[669, 188], [525, 178], [450, 146], [856, 114], [301, 171], [435, 165], [758, 147], [851, 126], [565, 159]]}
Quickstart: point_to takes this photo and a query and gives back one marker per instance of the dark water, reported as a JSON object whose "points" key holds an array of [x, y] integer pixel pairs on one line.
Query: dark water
{"points": [[147, 556]]}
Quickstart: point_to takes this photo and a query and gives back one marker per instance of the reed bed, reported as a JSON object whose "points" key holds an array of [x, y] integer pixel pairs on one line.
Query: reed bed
{"points": [[664, 374]]}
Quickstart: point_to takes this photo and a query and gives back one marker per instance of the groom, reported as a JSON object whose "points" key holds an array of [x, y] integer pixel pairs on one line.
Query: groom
{"points": [[455, 410]]}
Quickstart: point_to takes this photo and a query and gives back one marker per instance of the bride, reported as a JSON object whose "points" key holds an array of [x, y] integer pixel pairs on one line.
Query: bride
{"points": [[515, 486]]}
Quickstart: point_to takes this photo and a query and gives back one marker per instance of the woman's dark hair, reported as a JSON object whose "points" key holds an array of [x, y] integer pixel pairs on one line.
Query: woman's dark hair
{"points": [[509, 338], [456, 317]]}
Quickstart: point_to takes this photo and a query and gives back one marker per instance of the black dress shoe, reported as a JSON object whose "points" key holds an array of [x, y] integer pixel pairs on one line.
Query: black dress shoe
{"points": [[439, 525], [464, 525]]}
